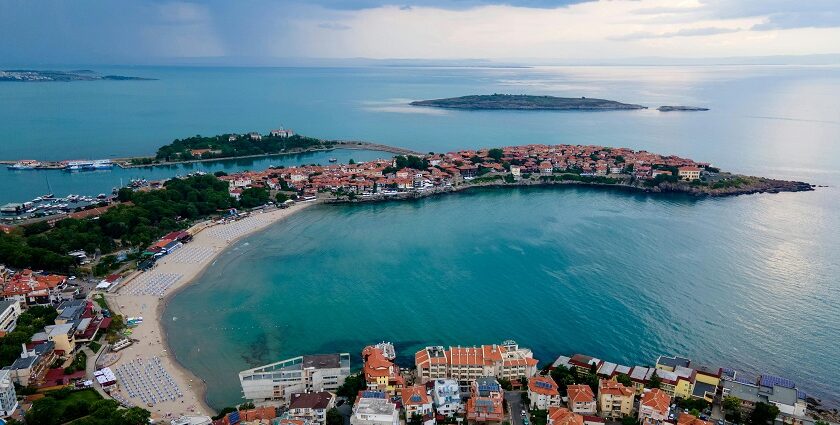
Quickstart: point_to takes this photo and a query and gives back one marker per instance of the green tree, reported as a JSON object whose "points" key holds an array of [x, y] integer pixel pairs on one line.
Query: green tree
{"points": [[654, 382], [351, 387], [563, 376], [496, 154], [763, 414], [334, 417], [45, 411], [628, 420], [253, 197], [625, 380], [731, 404]]}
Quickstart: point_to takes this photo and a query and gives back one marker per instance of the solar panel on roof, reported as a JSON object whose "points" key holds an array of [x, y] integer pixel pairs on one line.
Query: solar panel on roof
{"points": [[770, 381]]}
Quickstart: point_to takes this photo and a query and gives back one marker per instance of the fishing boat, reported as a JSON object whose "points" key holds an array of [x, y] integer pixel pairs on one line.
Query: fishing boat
{"points": [[26, 164], [333, 160]]}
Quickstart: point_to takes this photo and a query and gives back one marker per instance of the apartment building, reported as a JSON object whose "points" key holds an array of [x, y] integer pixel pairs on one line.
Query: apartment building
{"points": [[614, 399], [278, 381], [485, 405], [543, 393], [466, 364], [581, 399]]}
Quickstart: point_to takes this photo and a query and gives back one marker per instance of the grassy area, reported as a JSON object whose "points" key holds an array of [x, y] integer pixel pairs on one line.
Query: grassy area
{"points": [[95, 346], [100, 299]]}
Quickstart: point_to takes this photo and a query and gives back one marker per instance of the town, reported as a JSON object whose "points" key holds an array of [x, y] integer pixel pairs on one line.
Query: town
{"points": [[90, 344]]}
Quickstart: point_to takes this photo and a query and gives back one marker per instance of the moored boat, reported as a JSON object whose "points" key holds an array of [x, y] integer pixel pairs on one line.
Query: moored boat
{"points": [[26, 164]]}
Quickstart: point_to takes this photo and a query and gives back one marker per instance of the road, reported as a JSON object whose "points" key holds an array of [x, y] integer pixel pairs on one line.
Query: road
{"points": [[514, 402]]}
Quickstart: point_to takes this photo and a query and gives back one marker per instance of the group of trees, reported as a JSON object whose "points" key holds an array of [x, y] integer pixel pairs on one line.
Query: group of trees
{"points": [[564, 376], [179, 149], [31, 321], [61, 406], [142, 218]]}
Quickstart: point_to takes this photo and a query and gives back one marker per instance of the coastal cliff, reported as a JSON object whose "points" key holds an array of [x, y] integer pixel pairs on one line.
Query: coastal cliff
{"points": [[526, 102]]}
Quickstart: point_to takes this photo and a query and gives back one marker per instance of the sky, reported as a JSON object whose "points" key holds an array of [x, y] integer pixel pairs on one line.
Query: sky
{"points": [[257, 31]]}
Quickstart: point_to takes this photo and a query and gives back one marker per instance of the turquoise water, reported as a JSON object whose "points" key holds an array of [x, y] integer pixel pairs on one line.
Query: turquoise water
{"points": [[749, 282], [743, 282]]}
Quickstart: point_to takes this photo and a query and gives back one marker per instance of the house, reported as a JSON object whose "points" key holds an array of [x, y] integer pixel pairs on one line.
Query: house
{"points": [[374, 411], [640, 376], [311, 407], [265, 413], [581, 399], [282, 133], [687, 419], [9, 313], [485, 404], [446, 395], [706, 382], [615, 401], [8, 398], [381, 373], [32, 364], [543, 393], [416, 403], [689, 173], [563, 416], [679, 383], [654, 405], [63, 336], [584, 364], [546, 168], [255, 136], [770, 390], [278, 381], [516, 170], [670, 363], [232, 138]]}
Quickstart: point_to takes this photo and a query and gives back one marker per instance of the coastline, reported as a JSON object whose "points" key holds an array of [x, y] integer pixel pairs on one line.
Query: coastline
{"points": [[151, 333]]}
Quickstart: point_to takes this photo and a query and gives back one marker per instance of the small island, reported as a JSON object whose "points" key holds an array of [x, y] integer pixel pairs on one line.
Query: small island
{"points": [[28, 76], [526, 102], [666, 108]]}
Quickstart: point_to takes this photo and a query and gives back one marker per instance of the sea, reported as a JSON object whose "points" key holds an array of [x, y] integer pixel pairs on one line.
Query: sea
{"points": [[748, 282]]}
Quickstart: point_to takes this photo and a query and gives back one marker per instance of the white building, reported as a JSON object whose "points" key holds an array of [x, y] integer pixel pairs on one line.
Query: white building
{"points": [[9, 313], [543, 393], [446, 396], [375, 411], [278, 381], [311, 407], [8, 398]]}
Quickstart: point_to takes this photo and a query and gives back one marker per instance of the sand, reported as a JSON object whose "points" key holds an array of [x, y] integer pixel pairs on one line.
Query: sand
{"points": [[184, 265]]}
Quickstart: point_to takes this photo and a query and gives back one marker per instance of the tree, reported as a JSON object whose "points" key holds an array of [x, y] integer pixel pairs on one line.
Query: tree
{"points": [[505, 384], [253, 197], [224, 412], [625, 380], [628, 420], [351, 387], [730, 403], [334, 417], [763, 414], [351, 161], [246, 406], [496, 154], [562, 376], [281, 197], [45, 411], [654, 382]]}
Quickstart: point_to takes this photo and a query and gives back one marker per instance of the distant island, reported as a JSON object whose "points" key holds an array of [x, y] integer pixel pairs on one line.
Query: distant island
{"points": [[680, 108], [526, 102], [26, 75]]}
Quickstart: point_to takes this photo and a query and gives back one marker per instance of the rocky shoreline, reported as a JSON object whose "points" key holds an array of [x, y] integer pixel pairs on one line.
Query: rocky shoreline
{"points": [[760, 185]]}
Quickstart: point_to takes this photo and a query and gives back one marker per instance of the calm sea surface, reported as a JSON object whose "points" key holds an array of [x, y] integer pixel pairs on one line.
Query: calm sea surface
{"points": [[748, 282]]}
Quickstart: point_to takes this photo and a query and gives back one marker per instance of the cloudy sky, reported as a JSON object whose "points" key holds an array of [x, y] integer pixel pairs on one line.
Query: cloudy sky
{"points": [[154, 31]]}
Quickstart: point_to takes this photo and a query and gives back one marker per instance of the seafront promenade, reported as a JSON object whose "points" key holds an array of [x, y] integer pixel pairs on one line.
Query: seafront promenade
{"points": [[145, 294]]}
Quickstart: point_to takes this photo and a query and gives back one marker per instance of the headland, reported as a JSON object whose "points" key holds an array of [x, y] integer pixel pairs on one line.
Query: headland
{"points": [[526, 102]]}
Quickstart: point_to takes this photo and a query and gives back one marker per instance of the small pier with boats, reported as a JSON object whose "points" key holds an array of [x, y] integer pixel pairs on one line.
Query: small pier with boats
{"points": [[71, 166]]}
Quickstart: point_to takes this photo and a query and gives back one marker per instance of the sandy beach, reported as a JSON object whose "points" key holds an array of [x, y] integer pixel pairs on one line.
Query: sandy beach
{"points": [[148, 375]]}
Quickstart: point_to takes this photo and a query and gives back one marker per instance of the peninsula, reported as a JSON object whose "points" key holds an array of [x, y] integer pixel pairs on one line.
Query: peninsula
{"points": [[28, 75], [666, 108], [526, 102], [158, 238]]}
